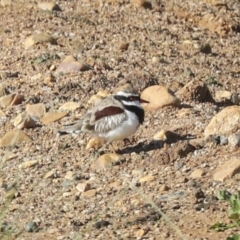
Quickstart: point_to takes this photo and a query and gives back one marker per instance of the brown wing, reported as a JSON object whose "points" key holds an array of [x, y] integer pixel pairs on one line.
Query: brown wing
{"points": [[108, 111], [108, 118]]}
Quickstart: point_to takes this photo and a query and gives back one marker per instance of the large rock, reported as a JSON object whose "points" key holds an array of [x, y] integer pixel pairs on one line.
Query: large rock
{"points": [[158, 97], [13, 138], [227, 170], [194, 91], [225, 122]]}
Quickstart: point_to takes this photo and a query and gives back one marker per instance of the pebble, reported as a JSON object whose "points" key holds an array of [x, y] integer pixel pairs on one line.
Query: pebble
{"points": [[156, 59], [198, 173], [3, 90], [140, 233], [2, 114], [6, 3], [225, 122], [89, 194], [142, 3], [146, 178], [107, 160], [36, 110], [6, 100], [39, 38], [124, 46], [158, 97], [9, 156], [234, 140], [161, 135], [174, 195], [24, 120], [49, 80], [69, 58], [28, 164], [70, 106], [18, 99], [222, 96], [49, 6], [83, 187], [164, 188], [13, 138], [223, 140], [95, 143], [103, 93], [194, 91], [95, 99], [70, 175], [49, 174], [31, 226], [72, 67], [227, 170], [138, 171], [52, 117]]}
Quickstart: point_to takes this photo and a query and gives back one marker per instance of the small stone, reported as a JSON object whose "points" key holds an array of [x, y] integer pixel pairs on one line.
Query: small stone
{"points": [[70, 106], [72, 67], [103, 93], [70, 175], [227, 170], [142, 3], [138, 171], [140, 233], [198, 173], [49, 80], [36, 110], [69, 58], [31, 227], [158, 97], [18, 99], [146, 178], [161, 135], [223, 96], [2, 114], [49, 6], [95, 99], [107, 160], [163, 188], [156, 59], [67, 194], [9, 156], [53, 117], [39, 38], [6, 3], [194, 91], [24, 120], [14, 137], [89, 194], [3, 90], [124, 46], [83, 187], [225, 122], [234, 140], [223, 140], [95, 143], [5, 101], [28, 164], [49, 174]]}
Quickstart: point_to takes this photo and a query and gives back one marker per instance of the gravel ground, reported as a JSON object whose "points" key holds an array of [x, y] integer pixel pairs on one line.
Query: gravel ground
{"points": [[191, 47]]}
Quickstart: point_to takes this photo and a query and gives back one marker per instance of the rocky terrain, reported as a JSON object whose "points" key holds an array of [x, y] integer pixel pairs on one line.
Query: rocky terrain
{"points": [[60, 59]]}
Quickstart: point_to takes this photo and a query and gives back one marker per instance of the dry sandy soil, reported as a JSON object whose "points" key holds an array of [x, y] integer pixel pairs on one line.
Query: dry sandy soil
{"points": [[161, 42]]}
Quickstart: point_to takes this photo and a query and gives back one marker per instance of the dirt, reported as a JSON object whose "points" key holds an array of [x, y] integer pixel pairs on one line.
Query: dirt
{"points": [[168, 43]]}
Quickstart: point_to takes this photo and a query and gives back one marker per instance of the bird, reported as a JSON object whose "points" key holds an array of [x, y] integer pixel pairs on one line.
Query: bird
{"points": [[113, 119]]}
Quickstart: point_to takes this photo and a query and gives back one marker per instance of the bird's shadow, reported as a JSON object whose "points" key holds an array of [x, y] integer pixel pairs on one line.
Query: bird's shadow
{"points": [[156, 144]]}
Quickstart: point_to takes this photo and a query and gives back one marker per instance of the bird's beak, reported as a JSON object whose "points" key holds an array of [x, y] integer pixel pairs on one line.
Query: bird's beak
{"points": [[143, 101]]}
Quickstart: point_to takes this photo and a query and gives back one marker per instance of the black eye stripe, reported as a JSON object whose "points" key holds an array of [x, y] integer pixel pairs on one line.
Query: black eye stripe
{"points": [[128, 99]]}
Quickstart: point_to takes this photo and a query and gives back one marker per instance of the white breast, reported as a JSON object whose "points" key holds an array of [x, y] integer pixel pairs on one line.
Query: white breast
{"points": [[126, 129]]}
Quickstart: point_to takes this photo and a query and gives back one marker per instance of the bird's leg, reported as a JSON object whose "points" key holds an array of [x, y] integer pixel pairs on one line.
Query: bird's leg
{"points": [[112, 148]]}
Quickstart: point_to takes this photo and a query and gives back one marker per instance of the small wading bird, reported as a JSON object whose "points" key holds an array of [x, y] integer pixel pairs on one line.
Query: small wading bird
{"points": [[114, 118]]}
